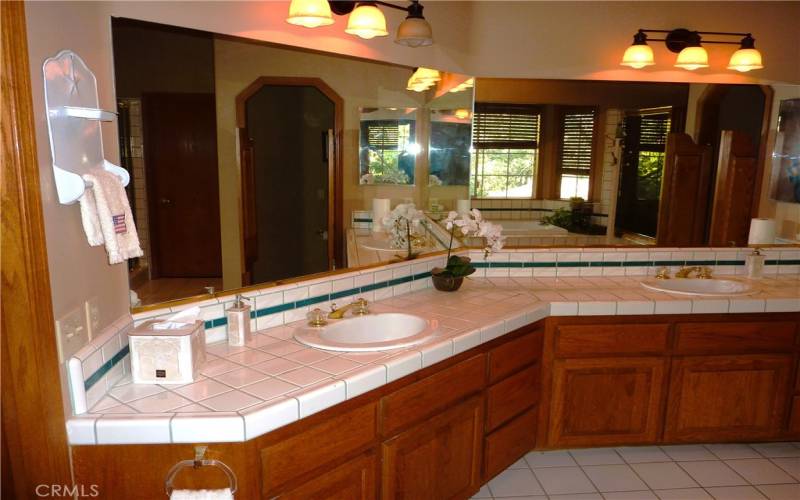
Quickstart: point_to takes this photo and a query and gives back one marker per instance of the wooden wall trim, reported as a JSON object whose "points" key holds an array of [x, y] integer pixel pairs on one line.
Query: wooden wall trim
{"points": [[33, 425]]}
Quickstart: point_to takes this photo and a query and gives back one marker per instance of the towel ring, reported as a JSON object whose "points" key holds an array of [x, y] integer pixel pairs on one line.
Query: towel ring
{"points": [[199, 461]]}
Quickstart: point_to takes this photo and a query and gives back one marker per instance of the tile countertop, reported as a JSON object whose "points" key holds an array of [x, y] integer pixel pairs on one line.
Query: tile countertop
{"points": [[245, 392]]}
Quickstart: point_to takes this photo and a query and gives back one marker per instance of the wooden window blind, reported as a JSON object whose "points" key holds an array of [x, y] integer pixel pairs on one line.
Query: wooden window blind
{"points": [[653, 132], [576, 142], [383, 135], [506, 126]]}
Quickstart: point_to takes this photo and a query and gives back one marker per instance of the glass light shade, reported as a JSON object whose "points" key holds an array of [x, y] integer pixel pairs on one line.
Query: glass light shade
{"points": [[745, 59], [367, 22], [638, 56], [692, 58], [414, 32], [310, 13], [427, 75], [462, 114]]}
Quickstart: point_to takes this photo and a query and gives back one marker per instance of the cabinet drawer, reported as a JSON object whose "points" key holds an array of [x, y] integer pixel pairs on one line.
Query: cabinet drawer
{"points": [[723, 338], [352, 480], [510, 442], [511, 396], [593, 340], [513, 355], [312, 448], [794, 418], [432, 394]]}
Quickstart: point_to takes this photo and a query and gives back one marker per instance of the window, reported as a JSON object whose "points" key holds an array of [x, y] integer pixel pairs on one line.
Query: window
{"points": [[653, 132], [387, 146], [506, 142], [577, 129]]}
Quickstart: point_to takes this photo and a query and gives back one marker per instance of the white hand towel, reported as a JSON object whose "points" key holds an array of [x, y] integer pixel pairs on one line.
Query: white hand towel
{"points": [[224, 494], [107, 217]]}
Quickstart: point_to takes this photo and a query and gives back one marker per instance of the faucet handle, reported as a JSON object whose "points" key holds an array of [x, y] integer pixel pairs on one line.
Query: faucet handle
{"points": [[316, 318], [360, 307], [704, 273], [662, 273]]}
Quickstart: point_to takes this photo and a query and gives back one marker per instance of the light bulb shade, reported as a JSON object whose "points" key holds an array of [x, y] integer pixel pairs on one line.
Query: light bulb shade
{"points": [[310, 13], [692, 58], [414, 32], [745, 59], [638, 56], [366, 21], [427, 75]]}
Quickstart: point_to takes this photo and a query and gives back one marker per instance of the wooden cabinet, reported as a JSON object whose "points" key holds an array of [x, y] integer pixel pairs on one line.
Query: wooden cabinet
{"points": [[606, 401], [727, 398], [353, 480], [508, 443], [439, 458]]}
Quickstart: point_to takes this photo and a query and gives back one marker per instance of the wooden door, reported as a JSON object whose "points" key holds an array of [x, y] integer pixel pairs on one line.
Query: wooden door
{"points": [[727, 398], [353, 480], [735, 189], [683, 206], [606, 401], [439, 458], [249, 215], [180, 152]]}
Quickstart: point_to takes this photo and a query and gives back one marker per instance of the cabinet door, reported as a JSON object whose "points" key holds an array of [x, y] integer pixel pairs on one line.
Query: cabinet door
{"points": [[727, 397], [606, 401], [439, 458], [350, 481]]}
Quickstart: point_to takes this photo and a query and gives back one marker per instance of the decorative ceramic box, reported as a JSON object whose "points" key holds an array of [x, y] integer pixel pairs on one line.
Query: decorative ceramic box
{"points": [[167, 352]]}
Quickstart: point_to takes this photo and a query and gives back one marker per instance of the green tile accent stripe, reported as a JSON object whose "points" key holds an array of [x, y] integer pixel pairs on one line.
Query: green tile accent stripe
{"points": [[105, 368], [631, 263]]}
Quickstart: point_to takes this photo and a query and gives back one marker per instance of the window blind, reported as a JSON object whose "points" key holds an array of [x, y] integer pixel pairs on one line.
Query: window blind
{"points": [[653, 132], [384, 135], [505, 126], [576, 142]]}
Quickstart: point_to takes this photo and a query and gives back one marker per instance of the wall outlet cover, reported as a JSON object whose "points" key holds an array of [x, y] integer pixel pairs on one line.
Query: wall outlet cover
{"points": [[71, 333]]}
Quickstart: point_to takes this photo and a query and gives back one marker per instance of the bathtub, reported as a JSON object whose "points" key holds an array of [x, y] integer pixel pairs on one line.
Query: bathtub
{"points": [[530, 228]]}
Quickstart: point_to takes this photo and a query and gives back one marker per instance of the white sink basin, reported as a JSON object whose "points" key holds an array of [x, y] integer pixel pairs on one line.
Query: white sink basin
{"points": [[704, 287], [374, 332]]}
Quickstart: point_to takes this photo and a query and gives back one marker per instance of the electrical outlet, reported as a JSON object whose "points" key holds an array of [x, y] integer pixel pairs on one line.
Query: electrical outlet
{"points": [[71, 332], [93, 316]]}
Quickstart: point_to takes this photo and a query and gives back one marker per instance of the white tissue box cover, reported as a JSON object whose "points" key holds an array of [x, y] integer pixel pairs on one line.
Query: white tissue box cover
{"points": [[171, 356]]}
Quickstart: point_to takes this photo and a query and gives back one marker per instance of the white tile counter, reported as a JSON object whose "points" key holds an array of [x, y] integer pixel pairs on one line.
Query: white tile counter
{"points": [[245, 392]]}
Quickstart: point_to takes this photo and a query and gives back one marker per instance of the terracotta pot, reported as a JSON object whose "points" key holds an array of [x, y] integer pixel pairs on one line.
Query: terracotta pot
{"points": [[447, 283]]}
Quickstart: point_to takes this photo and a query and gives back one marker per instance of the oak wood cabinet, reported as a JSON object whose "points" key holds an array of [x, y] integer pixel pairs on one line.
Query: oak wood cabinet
{"points": [[353, 480], [727, 398], [439, 458]]}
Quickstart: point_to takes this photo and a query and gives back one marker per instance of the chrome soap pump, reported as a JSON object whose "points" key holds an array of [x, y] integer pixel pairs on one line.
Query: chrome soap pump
{"points": [[239, 322]]}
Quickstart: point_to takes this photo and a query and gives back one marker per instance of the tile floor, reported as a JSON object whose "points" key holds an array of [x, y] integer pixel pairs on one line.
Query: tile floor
{"points": [[687, 472]]}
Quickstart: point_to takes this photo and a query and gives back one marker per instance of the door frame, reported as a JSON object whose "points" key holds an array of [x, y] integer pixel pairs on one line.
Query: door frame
{"points": [[34, 438], [335, 188]]}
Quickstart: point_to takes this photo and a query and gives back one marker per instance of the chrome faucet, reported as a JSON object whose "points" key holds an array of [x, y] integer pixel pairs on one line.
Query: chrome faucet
{"points": [[359, 307], [704, 273]]}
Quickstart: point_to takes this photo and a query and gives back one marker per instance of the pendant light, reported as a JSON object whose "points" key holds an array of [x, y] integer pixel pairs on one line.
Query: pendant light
{"points": [[747, 57], [694, 56], [639, 54], [415, 30], [366, 21], [310, 13]]}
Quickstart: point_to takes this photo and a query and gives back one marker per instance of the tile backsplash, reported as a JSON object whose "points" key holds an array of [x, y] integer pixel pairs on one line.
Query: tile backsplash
{"points": [[100, 364]]}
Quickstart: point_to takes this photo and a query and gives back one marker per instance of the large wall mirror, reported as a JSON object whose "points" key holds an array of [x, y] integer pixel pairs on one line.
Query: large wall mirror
{"points": [[254, 162]]}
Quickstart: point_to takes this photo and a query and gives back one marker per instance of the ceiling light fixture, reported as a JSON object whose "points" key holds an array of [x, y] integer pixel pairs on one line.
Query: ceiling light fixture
{"points": [[366, 20], [423, 79], [691, 53]]}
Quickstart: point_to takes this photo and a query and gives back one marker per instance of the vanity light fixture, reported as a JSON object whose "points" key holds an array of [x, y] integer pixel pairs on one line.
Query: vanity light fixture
{"points": [[467, 84], [691, 53], [423, 79], [365, 21]]}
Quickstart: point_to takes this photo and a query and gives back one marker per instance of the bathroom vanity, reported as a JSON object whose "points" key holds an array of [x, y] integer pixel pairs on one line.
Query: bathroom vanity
{"points": [[563, 381]]}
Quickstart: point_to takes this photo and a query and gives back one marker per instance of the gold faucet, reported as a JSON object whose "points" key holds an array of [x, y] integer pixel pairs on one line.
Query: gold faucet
{"points": [[704, 273], [359, 304]]}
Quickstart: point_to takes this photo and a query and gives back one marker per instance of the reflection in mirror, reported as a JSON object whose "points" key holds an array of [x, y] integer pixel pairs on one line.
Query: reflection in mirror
{"points": [[619, 163], [388, 145], [245, 158]]}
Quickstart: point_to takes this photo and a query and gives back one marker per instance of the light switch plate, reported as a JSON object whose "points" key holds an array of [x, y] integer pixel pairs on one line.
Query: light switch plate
{"points": [[93, 316], [71, 332]]}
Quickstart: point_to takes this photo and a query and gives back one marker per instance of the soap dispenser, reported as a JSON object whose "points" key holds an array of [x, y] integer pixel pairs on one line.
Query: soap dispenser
{"points": [[754, 264], [239, 322]]}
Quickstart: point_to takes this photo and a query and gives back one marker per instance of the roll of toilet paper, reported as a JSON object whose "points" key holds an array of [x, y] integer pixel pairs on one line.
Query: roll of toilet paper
{"points": [[762, 232], [462, 206], [380, 209]]}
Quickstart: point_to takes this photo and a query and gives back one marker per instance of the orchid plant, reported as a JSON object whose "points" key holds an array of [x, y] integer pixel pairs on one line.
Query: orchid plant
{"points": [[470, 224], [400, 223]]}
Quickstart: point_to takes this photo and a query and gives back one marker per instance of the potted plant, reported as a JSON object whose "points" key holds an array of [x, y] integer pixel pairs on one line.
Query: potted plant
{"points": [[401, 223], [451, 277]]}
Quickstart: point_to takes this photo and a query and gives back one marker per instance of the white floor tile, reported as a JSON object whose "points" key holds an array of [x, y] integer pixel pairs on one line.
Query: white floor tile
{"points": [[735, 493], [577, 496], [642, 454], [760, 471], [683, 494], [777, 450], [781, 491], [614, 478], [630, 495], [712, 473], [549, 459], [483, 493], [515, 482], [596, 456], [790, 465], [732, 451], [687, 453], [519, 464], [564, 480], [663, 475]]}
